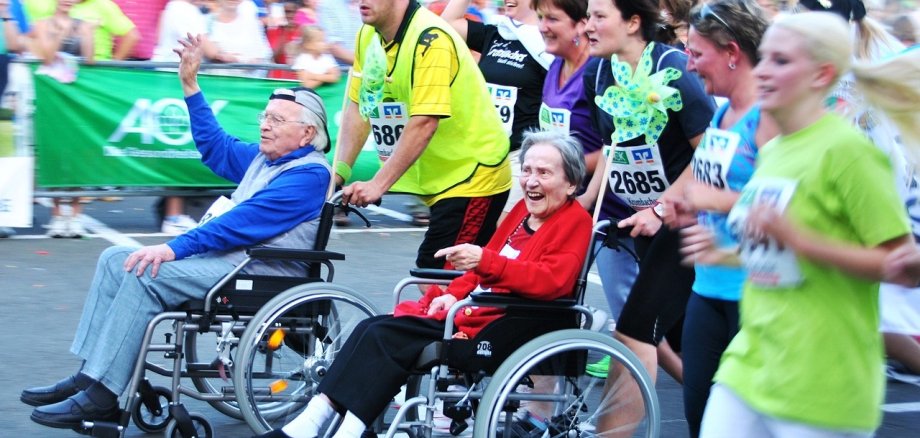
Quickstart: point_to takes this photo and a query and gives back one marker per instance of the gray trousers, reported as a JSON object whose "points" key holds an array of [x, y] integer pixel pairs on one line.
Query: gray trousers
{"points": [[120, 304]]}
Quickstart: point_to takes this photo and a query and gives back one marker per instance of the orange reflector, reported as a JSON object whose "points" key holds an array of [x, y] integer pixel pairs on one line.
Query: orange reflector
{"points": [[274, 341], [277, 386]]}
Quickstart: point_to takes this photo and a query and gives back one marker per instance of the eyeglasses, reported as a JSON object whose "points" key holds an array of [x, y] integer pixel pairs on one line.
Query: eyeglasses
{"points": [[707, 11], [274, 120]]}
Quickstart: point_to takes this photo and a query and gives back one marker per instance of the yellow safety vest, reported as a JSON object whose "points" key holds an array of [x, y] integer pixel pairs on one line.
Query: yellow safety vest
{"points": [[471, 137]]}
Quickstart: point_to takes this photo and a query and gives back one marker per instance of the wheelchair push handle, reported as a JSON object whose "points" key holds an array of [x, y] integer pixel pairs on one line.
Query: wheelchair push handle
{"points": [[336, 200]]}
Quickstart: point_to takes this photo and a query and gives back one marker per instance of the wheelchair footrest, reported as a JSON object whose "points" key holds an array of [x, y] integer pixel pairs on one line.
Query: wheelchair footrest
{"points": [[101, 429]]}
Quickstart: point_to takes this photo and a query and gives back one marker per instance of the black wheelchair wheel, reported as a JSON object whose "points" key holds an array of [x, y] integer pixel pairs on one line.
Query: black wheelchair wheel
{"points": [[202, 428], [148, 420]]}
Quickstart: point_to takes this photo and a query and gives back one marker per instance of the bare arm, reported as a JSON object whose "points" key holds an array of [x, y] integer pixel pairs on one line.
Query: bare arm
{"points": [[126, 45], [88, 42], [454, 14], [411, 144], [865, 262], [44, 45], [353, 132], [342, 53], [190, 53], [14, 41]]}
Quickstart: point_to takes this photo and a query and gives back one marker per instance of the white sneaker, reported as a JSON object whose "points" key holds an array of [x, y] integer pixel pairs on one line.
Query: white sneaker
{"points": [[599, 319], [75, 228], [177, 225], [57, 228]]}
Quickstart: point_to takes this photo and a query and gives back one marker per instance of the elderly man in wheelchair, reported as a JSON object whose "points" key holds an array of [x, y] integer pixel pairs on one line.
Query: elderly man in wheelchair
{"points": [[536, 253], [282, 181]]}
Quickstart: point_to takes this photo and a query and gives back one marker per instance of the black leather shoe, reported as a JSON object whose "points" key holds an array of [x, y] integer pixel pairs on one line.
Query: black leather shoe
{"points": [[72, 412], [46, 395]]}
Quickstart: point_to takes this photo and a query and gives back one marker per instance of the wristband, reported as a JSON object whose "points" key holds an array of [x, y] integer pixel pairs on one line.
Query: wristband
{"points": [[343, 169], [655, 208]]}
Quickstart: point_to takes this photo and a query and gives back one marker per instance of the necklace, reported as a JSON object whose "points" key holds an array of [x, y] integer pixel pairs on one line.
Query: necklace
{"points": [[571, 67]]}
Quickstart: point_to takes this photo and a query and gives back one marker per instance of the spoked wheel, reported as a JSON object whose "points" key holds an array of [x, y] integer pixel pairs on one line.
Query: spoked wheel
{"points": [[574, 403], [152, 420], [289, 346], [202, 429]]}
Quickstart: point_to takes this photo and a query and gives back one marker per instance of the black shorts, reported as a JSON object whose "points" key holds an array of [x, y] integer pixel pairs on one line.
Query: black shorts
{"points": [[459, 220], [656, 304]]}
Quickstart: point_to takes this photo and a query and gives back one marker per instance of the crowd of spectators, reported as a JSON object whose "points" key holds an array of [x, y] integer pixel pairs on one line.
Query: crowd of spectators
{"points": [[267, 31]]}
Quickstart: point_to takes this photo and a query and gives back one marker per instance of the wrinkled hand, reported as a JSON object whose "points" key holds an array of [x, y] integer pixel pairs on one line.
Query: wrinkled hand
{"points": [[644, 223], [698, 246], [190, 54], [902, 266], [362, 193], [151, 256], [443, 302], [465, 256]]}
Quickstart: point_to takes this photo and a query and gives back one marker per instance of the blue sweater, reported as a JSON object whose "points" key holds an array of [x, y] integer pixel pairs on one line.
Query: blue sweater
{"points": [[295, 196]]}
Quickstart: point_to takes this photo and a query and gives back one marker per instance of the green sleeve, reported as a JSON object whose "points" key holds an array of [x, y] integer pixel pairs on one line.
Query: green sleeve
{"points": [[866, 186]]}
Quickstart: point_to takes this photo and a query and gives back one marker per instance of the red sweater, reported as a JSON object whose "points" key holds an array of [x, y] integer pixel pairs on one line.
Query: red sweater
{"points": [[546, 268]]}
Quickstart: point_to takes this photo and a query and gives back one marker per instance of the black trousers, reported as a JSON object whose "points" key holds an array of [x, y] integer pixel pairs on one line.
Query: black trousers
{"points": [[376, 361]]}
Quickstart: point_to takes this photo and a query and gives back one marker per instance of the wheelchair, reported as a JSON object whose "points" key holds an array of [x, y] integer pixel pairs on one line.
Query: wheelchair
{"points": [[534, 356], [314, 331]]}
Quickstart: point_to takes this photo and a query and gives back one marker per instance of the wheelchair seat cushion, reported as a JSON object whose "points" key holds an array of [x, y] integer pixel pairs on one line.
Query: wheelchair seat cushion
{"points": [[246, 294]]}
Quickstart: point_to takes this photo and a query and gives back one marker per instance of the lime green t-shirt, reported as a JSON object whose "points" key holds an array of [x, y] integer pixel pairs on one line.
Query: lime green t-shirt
{"points": [[812, 352], [110, 22], [39, 9]]}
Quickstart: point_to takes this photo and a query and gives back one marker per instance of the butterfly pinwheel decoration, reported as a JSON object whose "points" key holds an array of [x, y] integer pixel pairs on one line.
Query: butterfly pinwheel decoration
{"points": [[639, 102]]}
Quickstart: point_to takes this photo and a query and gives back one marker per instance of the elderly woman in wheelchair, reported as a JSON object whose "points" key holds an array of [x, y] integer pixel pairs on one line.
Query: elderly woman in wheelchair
{"points": [[536, 253]]}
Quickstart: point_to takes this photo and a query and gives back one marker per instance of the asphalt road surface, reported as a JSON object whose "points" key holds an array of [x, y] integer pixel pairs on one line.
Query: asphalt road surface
{"points": [[43, 284]]}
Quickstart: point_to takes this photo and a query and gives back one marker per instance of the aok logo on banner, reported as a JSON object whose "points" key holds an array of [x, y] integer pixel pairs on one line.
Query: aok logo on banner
{"points": [[164, 120]]}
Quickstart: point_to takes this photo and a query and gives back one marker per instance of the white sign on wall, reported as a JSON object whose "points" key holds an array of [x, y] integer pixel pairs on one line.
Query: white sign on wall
{"points": [[16, 181]]}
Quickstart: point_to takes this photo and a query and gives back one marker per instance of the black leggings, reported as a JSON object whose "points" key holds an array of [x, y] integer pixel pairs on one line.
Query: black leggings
{"points": [[376, 361], [709, 325], [658, 298]]}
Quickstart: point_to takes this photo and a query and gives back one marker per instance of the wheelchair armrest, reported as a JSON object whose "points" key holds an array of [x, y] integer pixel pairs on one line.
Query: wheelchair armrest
{"points": [[302, 255], [435, 274], [507, 300]]}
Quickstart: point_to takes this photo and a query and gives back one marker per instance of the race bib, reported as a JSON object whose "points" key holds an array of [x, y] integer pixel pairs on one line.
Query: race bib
{"points": [[636, 175], [504, 99], [713, 157], [552, 119], [220, 206], [388, 126], [768, 263]]}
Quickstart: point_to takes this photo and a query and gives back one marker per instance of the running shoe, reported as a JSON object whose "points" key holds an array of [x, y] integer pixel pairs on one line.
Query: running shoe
{"points": [[599, 369], [176, 225]]}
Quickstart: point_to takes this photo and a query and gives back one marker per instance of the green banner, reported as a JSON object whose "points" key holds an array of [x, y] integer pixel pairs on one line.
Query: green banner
{"points": [[130, 127]]}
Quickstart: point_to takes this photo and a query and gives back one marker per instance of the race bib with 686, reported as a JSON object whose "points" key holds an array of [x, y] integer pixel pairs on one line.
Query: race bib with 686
{"points": [[388, 126]]}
